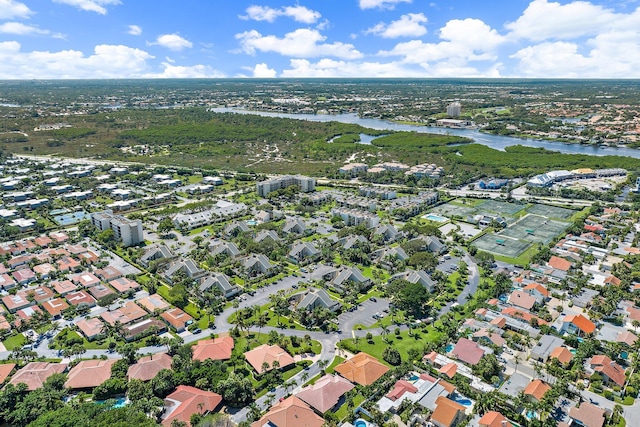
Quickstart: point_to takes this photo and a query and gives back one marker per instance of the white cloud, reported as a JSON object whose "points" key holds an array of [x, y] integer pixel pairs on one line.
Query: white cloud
{"points": [[332, 68], [21, 29], [172, 42], [382, 4], [544, 20], [297, 13], [10, 9], [185, 72], [97, 6], [463, 40], [107, 61], [612, 55], [134, 30], [262, 71], [409, 25], [301, 43]]}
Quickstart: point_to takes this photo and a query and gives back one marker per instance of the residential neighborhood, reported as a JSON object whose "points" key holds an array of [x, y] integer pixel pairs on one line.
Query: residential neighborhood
{"points": [[291, 302]]}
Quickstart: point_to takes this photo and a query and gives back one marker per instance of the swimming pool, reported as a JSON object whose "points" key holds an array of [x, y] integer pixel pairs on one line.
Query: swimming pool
{"points": [[251, 222], [120, 402], [360, 423], [435, 218], [463, 401], [413, 378], [448, 348]]}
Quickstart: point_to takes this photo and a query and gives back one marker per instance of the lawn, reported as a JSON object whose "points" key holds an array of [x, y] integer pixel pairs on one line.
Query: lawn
{"points": [[342, 412], [402, 342], [336, 361], [14, 341]]}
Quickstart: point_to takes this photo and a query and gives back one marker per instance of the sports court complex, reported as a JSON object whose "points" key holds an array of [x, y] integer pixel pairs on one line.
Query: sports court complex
{"points": [[527, 224]]}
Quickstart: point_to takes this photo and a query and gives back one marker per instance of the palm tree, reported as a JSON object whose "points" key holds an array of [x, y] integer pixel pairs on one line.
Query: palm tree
{"points": [[305, 376], [516, 361]]}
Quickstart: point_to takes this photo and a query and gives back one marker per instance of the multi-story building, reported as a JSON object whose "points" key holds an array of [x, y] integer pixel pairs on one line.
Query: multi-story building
{"points": [[127, 231], [305, 184], [454, 109]]}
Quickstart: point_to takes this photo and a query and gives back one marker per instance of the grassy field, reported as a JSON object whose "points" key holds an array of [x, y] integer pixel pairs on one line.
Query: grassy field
{"points": [[402, 342], [14, 341]]}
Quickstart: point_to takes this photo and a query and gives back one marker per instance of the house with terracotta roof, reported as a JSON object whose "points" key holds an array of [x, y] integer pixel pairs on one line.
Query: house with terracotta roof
{"points": [[538, 291], [4, 324], [17, 301], [147, 367], [177, 318], [494, 419], [100, 291], [467, 351], [86, 279], [43, 271], [55, 307], [59, 236], [627, 337], [89, 374], [186, 401], [326, 394], [268, 354], [81, 298], [34, 374], [578, 324], [215, 349], [447, 413], [291, 412], [24, 276], [562, 354], [128, 313], [522, 299], [154, 303], [587, 415], [535, 390], [7, 282], [449, 369], [123, 284], [5, 371], [109, 273], [362, 369], [558, 263], [64, 287], [91, 328], [67, 264], [611, 372]]}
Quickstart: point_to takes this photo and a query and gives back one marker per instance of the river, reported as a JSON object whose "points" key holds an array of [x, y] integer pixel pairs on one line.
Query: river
{"points": [[497, 142]]}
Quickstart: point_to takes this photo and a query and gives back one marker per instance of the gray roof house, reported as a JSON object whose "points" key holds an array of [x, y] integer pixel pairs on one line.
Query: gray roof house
{"points": [[303, 252], [266, 234], [256, 264], [188, 266], [388, 232], [381, 255], [221, 282], [316, 298], [431, 244], [154, 253], [296, 226], [341, 277], [350, 242], [416, 276], [236, 228], [544, 347], [229, 249]]}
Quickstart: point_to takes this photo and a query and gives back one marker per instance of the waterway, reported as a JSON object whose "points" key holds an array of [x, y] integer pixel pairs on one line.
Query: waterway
{"points": [[497, 142]]}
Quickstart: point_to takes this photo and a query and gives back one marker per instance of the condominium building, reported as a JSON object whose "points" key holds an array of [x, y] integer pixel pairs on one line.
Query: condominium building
{"points": [[305, 184], [128, 232], [454, 109]]}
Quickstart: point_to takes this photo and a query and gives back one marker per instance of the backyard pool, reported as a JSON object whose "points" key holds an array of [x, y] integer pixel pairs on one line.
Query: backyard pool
{"points": [[464, 401], [120, 402], [448, 348], [360, 423]]}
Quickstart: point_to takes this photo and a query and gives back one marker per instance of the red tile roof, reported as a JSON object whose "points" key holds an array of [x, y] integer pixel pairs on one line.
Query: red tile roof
{"points": [[268, 354], [581, 322], [325, 393], [494, 419], [146, 368], [608, 368], [362, 369], [446, 411], [89, 373], [34, 374], [291, 412], [467, 351], [401, 387], [5, 371], [559, 263], [186, 401], [215, 349], [536, 389]]}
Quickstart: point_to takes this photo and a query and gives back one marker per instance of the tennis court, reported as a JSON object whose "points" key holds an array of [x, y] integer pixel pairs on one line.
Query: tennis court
{"points": [[450, 210], [551, 211], [71, 218], [534, 228], [500, 245], [500, 208]]}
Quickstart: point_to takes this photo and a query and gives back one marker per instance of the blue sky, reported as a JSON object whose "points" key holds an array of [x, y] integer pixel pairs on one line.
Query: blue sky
{"points": [[49, 39]]}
